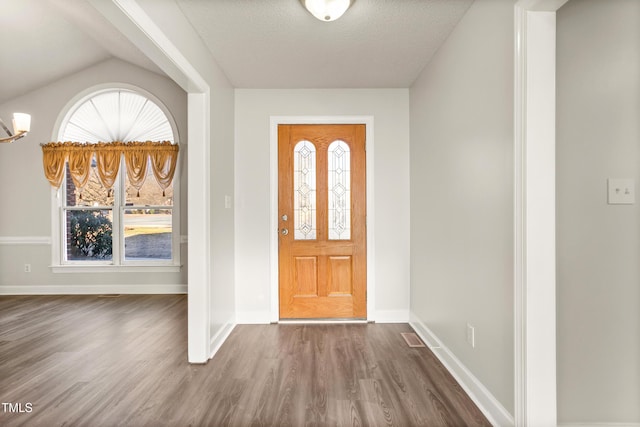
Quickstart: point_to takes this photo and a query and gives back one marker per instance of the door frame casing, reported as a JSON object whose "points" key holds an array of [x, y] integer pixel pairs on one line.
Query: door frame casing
{"points": [[534, 212], [273, 201]]}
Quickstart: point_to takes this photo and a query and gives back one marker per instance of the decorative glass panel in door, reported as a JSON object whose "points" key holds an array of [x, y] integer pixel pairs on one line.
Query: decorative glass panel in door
{"points": [[304, 184], [339, 164]]}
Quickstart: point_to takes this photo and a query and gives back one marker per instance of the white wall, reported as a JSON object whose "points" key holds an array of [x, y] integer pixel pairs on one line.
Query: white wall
{"points": [[462, 196], [390, 109], [222, 223], [212, 276], [25, 210], [598, 250]]}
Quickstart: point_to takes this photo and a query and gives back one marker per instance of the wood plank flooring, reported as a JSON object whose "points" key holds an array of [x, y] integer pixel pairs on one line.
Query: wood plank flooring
{"points": [[90, 361]]}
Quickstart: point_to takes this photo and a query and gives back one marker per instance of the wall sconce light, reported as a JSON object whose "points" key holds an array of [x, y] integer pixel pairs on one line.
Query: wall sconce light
{"points": [[327, 10], [21, 125]]}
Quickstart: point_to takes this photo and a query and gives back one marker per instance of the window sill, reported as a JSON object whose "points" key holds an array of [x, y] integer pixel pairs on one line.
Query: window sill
{"points": [[115, 268]]}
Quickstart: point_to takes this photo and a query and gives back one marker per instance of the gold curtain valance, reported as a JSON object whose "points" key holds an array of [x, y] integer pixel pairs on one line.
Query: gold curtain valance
{"points": [[163, 157]]}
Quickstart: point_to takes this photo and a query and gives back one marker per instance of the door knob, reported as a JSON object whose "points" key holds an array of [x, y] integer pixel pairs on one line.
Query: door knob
{"points": [[284, 231]]}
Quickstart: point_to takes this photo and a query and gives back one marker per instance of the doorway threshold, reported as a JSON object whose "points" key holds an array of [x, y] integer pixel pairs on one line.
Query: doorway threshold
{"points": [[321, 321]]}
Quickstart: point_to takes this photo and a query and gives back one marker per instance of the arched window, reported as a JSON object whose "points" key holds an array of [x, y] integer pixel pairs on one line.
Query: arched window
{"points": [[134, 223]]}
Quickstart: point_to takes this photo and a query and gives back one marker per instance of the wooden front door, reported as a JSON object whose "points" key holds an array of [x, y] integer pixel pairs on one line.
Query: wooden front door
{"points": [[322, 221]]}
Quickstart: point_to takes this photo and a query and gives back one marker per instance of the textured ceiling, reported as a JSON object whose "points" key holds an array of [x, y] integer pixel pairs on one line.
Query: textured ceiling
{"points": [[258, 43], [278, 44]]}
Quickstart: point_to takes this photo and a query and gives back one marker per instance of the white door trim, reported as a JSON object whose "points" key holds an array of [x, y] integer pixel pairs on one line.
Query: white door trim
{"points": [[273, 196], [534, 127]]}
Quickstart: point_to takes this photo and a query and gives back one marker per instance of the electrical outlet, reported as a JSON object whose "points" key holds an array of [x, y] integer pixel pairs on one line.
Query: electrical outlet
{"points": [[471, 335], [27, 268]]}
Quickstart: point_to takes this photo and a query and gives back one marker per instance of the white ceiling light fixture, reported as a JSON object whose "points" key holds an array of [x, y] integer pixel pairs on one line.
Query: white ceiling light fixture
{"points": [[327, 10], [21, 125]]}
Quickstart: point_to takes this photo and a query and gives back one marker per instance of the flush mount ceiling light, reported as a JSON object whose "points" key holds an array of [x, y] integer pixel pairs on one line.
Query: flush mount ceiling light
{"points": [[327, 10], [21, 125]]}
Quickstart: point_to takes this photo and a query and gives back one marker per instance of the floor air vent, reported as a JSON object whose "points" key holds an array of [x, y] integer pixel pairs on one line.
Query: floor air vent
{"points": [[412, 339]]}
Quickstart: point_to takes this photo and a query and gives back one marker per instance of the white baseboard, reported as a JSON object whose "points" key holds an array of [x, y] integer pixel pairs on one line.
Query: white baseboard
{"points": [[391, 316], [219, 338], [253, 317], [603, 424], [486, 402], [92, 289]]}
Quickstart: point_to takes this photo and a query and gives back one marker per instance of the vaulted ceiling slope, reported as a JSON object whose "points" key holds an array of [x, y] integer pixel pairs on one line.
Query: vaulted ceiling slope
{"points": [[45, 40], [257, 43]]}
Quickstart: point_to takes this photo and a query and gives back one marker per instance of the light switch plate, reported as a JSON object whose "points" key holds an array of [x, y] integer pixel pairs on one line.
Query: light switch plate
{"points": [[621, 191], [227, 202]]}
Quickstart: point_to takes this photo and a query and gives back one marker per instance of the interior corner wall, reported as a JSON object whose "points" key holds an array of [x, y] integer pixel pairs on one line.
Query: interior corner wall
{"points": [[462, 196], [390, 109], [598, 244], [25, 211]]}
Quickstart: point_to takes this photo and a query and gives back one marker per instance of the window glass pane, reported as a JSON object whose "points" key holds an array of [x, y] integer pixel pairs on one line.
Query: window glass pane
{"points": [[88, 234], [93, 194], [147, 234], [150, 192], [304, 190], [339, 163]]}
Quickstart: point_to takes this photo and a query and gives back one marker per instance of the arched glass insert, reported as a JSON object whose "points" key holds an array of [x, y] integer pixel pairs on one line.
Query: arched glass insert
{"points": [[304, 190], [117, 115], [339, 164]]}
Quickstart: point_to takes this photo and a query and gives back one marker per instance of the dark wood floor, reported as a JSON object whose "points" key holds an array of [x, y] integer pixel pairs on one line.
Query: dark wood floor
{"points": [[90, 361]]}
